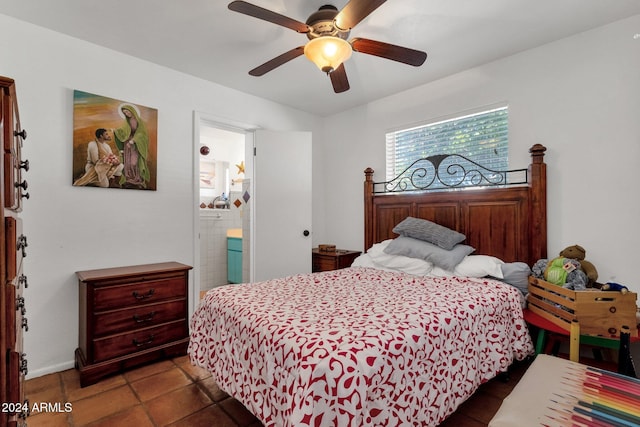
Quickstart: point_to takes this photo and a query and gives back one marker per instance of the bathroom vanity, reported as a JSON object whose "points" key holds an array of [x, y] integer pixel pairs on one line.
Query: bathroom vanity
{"points": [[234, 255]]}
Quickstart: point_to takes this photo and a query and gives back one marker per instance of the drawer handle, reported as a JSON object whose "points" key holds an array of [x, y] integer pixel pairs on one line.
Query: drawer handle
{"points": [[20, 306], [23, 280], [138, 296], [21, 133], [147, 342], [22, 244], [24, 184], [149, 317], [23, 363]]}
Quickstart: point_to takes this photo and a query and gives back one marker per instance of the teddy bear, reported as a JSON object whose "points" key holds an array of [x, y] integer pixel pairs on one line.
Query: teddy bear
{"points": [[569, 270], [578, 252]]}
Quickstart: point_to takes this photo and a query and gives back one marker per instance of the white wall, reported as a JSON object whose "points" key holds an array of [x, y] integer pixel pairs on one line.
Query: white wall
{"points": [[72, 228], [580, 97]]}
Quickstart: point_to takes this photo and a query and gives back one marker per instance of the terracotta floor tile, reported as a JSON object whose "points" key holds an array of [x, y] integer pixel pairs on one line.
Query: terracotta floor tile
{"points": [[102, 405], [177, 394], [497, 388], [500, 387], [211, 388], [47, 388], [155, 385], [73, 391], [177, 404], [70, 376], [195, 372], [44, 419], [481, 407], [211, 416], [148, 370], [181, 360], [135, 416], [238, 412], [44, 382], [460, 420]]}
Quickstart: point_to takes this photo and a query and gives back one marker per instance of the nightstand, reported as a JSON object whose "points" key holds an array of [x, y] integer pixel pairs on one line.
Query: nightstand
{"points": [[334, 260]]}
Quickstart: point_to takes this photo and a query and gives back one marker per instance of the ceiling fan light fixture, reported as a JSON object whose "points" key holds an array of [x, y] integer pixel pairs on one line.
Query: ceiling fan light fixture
{"points": [[327, 52]]}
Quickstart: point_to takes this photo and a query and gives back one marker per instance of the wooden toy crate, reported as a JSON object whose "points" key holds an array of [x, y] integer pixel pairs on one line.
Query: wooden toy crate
{"points": [[597, 312]]}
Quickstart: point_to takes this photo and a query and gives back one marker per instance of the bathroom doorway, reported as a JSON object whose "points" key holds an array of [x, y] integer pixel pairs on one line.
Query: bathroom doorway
{"points": [[276, 182], [223, 212]]}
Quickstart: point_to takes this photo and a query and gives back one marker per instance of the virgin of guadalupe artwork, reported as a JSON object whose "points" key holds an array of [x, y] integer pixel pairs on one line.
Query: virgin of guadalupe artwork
{"points": [[114, 143]]}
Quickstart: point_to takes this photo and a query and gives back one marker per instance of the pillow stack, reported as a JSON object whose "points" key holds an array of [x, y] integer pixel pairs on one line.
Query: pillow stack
{"points": [[423, 239], [439, 246]]}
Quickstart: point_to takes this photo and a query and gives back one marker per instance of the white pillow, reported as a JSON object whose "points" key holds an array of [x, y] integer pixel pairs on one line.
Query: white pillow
{"points": [[363, 260], [440, 272], [415, 266], [479, 266]]}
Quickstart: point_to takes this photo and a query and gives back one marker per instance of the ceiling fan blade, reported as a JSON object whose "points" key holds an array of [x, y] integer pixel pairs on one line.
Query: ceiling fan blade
{"points": [[355, 11], [268, 15], [339, 79], [389, 51], [277, 61]]}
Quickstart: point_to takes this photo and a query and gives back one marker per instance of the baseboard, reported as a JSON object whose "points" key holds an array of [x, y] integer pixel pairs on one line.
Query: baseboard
{"points": [[50, 369]]}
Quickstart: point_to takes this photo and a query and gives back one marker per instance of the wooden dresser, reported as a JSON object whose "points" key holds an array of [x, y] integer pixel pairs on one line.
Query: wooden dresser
{"points": [[13, 322], [332, 260], [130, 316]]}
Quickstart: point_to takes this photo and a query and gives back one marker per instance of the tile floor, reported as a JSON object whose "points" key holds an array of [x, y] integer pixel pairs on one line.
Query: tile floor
{"points": [[175, 393]]}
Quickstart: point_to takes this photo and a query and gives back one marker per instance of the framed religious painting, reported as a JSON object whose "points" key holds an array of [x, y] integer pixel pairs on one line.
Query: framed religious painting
{"points": [[114, 143]]}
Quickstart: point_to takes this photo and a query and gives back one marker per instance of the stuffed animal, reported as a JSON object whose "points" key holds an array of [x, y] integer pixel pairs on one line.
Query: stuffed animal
{"points": [[616, 287], [567, 270], [578, 252]]}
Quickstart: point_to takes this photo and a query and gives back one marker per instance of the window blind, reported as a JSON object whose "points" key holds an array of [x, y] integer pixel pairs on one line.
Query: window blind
{"points": [[481, 137]]}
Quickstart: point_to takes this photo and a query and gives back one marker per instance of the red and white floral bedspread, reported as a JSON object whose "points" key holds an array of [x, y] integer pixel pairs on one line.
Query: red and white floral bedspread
{"points": [[358, 346]]}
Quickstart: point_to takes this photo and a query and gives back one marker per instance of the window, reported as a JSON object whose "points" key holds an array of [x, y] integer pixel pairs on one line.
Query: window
{"points": [[480, 137]]}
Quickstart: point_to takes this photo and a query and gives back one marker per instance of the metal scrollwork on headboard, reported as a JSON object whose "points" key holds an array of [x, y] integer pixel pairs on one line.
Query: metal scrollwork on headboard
{"points": [[446, 172]]}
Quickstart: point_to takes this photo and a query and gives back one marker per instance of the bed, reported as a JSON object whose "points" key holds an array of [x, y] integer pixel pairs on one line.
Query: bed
{"points": [[366, 346]]}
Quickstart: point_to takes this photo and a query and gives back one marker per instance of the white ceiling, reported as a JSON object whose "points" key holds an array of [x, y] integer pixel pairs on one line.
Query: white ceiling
{"points": [[205, 39]]}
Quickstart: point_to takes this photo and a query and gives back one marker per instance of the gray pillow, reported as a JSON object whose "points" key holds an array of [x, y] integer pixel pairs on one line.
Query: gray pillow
{"points": [[516, 274], [414, 248], [428, 231]]}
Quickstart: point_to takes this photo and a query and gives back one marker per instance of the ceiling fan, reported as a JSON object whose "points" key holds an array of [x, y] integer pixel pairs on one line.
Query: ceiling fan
{"points": [[327, 30]]}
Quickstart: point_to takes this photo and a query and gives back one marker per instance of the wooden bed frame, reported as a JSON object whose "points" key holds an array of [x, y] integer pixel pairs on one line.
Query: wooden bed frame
{"points": [[499, 217]]}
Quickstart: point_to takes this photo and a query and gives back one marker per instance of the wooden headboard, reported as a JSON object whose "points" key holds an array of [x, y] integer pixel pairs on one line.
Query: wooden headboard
{"points": [[499, 217]]}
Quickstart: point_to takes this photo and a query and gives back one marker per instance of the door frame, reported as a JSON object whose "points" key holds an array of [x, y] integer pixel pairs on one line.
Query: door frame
{"points": [[201, 119]]}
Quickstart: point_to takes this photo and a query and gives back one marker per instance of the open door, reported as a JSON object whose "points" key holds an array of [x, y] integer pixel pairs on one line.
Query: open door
{"points": [[281, 212]]}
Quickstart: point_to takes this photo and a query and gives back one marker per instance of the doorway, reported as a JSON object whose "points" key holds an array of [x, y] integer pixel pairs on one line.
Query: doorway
{"points": [[222, 214], [275, 200]]}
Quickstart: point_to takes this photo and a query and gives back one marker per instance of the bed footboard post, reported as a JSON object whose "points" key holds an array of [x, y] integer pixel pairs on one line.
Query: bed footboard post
{"points": [[368, 208], [537, 204]]}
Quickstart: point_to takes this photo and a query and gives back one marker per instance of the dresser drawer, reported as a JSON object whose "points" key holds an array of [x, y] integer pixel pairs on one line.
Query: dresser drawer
{"points": [[137, 293], [17, 370], [116, 321], [334, 260], [142, 339], [130, 316], [323, 263], [15, 247]]}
